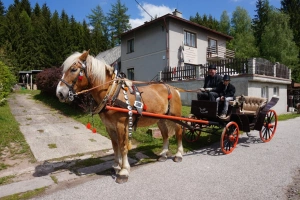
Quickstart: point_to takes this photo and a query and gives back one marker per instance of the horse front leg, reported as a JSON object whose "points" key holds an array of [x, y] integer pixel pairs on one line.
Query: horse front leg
{"points": [[117, 154], [123, 175]]}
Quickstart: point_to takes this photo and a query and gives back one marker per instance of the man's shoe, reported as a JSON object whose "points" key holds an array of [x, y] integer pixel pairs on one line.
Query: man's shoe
{"points": [[223, 116]]}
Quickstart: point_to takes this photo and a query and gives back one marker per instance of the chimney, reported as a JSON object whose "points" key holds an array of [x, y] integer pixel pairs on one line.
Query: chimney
{"points": [[177, 13]]}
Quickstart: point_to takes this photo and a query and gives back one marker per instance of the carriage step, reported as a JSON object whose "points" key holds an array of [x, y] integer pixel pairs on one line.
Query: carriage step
{"points": [[154, 132]]}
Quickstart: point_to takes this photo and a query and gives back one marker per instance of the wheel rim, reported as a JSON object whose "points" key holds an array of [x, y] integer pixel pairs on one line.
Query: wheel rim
{"points": [[269, 127], [191, 135], [230, 137]]}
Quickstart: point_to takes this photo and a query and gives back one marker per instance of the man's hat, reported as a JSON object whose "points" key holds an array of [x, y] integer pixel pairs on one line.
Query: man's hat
{"points": [[212, 67]]}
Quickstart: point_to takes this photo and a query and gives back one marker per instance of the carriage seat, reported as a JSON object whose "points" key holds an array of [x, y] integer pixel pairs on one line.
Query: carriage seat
{"points": [[251, 105]]}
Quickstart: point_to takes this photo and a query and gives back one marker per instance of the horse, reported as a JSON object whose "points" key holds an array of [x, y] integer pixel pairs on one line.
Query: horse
{"points": [[82, 72]]}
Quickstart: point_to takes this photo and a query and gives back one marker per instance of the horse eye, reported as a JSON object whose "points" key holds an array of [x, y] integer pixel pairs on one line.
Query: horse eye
{"points": [[73, 69]]}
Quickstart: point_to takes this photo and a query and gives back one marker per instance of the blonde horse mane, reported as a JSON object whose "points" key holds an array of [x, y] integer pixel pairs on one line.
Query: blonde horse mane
{"points": [[95, 66]]}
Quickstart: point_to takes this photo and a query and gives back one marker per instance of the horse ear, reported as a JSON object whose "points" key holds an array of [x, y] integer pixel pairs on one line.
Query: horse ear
{"points": [[84, 55]]}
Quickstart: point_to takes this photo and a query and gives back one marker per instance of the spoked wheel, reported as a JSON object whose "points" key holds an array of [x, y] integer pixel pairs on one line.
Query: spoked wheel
{"points": [[270, 123], [191, 135], [229, 138]]}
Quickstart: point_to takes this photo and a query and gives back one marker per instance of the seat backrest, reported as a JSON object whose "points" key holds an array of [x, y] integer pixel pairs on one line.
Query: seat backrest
{"points": [[252, 104]]}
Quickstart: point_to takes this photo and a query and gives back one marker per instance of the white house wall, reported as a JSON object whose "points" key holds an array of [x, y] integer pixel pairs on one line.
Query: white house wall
{"points": [[194, 56], [244, 86], [149, 56]]}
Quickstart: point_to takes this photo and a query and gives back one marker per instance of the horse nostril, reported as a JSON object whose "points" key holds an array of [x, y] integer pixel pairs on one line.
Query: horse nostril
{"points": [[61, 95]]}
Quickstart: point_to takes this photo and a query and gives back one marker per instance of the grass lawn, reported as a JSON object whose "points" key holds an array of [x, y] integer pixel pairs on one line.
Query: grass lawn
{"points": [[12, 141]]}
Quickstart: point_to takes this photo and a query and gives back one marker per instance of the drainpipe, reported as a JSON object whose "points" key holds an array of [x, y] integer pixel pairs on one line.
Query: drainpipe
{"points": [[167, 42]]}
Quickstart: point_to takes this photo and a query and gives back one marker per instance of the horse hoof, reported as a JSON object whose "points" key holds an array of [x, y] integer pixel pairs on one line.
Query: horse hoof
{"points": [[177, 159], [162, 158], [121, 179]]}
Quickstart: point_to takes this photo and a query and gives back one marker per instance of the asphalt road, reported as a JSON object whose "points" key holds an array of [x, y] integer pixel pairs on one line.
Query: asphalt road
{"points": [[254, 170]]}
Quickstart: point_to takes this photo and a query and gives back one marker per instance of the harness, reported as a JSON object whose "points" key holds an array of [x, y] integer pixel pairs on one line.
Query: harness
{"points": [[111, 98]]}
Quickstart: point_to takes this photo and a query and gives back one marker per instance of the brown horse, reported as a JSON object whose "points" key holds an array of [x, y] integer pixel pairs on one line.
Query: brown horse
{"points": [[82, 71]]}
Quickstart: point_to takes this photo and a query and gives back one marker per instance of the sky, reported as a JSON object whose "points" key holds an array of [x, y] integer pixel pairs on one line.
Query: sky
{"points": [[80, 9]]}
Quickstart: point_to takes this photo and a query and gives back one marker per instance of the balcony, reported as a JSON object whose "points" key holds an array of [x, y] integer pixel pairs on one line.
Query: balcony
{"points": [[218, 53]]}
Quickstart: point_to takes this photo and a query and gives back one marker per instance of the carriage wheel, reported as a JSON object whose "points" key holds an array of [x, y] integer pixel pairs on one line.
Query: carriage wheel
{"points": [[191, 135], [230, 137], [268, 130]]}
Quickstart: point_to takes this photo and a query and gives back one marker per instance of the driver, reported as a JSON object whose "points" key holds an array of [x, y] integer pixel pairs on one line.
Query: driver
{"points": [[211, 81]]}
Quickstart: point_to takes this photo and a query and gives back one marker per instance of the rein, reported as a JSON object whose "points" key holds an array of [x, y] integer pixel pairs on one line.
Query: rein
{"points": [[136, 82]]}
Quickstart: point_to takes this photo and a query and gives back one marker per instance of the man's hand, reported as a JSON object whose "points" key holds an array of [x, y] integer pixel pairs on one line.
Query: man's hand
{"points": [[208, 89], [202, 89]]}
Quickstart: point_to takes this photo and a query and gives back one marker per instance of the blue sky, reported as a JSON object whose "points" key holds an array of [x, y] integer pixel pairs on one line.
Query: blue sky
{"points": [[81, 8]]}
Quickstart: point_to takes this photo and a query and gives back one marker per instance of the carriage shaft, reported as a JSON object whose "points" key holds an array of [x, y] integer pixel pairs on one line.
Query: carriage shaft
{"points": [[162, 116]]}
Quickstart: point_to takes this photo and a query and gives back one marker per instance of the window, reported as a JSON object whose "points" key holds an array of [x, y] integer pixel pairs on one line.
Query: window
{"points": [[189, 39], [264, 92], [276, 91], [130, 46], [130, 73], [212, 45]]}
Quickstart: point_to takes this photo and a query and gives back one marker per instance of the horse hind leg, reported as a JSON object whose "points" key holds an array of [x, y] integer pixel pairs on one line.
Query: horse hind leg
{"points": [[165, 135], [179, 154], [169, 128]]}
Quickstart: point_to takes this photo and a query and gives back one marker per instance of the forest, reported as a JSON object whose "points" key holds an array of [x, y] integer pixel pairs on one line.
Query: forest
{"points": [[33, 37]]}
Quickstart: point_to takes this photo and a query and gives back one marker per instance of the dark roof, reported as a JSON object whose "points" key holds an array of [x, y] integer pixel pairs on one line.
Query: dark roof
{"points": [[111, 55], [179, 19]]}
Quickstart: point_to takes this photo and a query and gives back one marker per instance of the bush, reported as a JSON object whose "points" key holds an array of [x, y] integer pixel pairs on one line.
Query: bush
{"points": [[48, 79], [7, 80]]}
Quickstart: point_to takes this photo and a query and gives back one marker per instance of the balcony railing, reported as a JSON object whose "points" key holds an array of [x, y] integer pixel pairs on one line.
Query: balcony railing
{"points": [[233, 67], [219, 52]]}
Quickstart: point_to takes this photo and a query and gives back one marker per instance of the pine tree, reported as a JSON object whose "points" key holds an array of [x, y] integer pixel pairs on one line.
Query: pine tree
{"points": [[260, 20], [118, 22], [197, 19], [292, 8], [2, 9], [99, 26]]}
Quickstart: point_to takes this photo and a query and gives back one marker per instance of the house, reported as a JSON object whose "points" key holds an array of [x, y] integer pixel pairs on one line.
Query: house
{"points": [[169, 41], [173, 42]]}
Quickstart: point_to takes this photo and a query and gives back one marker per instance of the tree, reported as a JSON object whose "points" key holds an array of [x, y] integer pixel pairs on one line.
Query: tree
{"points": [[224, 26], [99, 37], [292, 8], [197, 19], [260, 20], [277, 42], [118, 22], [243, 42], [2, 9]]}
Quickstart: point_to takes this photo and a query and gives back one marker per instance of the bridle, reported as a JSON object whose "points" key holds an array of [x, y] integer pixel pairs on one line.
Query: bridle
{"points": [[83, 69]]}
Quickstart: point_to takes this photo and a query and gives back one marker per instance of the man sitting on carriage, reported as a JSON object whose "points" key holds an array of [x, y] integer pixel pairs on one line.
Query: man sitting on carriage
{"points": [[208, 92], [226, 93]]}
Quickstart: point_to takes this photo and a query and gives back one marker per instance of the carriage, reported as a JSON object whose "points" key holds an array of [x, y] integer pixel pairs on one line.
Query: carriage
{"points": [[123, 106], [246, 113]]}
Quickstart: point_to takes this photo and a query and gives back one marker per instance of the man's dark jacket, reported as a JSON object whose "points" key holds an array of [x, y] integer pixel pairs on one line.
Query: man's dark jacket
{"points": [[229, 92], [212, 82]]}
